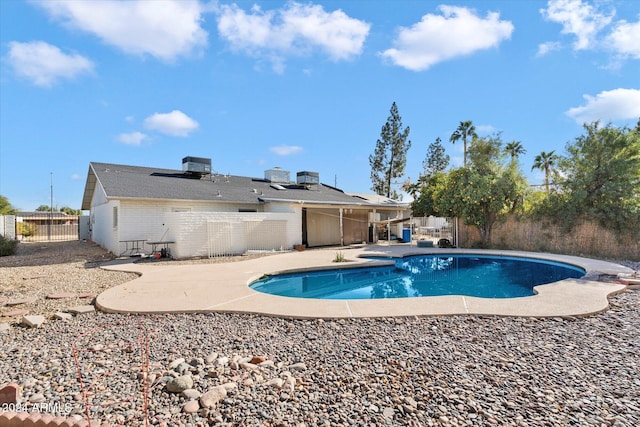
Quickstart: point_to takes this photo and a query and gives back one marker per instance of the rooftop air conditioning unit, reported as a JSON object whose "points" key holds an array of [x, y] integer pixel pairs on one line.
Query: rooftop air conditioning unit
{"points": [[277, 176], [311, 180], [196, 165]]}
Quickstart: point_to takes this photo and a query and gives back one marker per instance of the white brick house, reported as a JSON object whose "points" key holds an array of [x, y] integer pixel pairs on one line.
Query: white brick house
{"points": [[206, 214]]}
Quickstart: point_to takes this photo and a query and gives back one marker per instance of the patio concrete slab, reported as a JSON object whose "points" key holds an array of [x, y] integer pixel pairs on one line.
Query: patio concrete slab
{"points": [[224, 287]]}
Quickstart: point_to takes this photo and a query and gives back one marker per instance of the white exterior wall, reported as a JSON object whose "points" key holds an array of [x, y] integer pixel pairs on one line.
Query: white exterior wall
{"points": [[101, 221], [190, 233], [284, 207], [8, 226], [145, 220], [149, 220]]}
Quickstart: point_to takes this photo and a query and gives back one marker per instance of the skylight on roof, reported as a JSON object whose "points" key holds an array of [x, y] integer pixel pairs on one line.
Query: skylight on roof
{"points": [[278, 187]]}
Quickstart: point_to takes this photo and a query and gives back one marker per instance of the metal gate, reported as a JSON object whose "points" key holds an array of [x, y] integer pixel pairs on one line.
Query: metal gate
{"points": [[219, 238], [47, 227]]}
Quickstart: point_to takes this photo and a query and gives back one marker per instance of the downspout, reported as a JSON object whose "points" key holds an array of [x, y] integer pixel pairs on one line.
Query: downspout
{"points": [[374, 238], [341, 229]]}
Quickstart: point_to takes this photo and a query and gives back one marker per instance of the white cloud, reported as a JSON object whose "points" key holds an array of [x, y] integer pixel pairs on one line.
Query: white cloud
{"points": [[44, 64], [285, 150], [175, 123], [298, 29], [75, 177], [625, 39], [612, 105], [436, 38], [577, 18], [129, 119], [544, 48], [164, 29], [132, 138]]}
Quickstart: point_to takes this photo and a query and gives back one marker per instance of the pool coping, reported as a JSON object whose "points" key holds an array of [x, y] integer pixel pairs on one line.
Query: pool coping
{"points": [[223, 287]]}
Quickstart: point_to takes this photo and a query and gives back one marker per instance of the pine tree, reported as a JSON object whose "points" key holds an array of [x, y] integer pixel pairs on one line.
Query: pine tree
{"points": [[390, 156], [437, 160]]}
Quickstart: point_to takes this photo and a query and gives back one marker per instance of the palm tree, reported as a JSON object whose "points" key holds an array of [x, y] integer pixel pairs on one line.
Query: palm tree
{"points": [[545, 161], [514, 149], [465, 129]]}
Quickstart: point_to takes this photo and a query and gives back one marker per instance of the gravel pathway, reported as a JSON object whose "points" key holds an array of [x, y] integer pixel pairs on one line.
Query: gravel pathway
{"points": [[250, 370]]}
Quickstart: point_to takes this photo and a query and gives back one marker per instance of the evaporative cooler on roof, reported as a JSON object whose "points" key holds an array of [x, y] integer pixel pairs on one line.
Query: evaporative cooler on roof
{"points": [[196, 165], [311, 180], [277, 176]]}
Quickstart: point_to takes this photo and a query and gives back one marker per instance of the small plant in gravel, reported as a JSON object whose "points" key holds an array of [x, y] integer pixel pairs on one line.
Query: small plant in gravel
{"points": [[8, 246], [339, 257]]}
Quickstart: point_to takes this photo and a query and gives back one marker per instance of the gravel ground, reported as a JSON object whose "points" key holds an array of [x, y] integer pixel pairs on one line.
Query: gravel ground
{"points": [[41, 269], [250, 370]]}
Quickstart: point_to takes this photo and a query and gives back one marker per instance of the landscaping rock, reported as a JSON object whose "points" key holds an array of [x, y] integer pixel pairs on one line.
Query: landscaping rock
{"points": [[62, 295], [33, 321], [257, 360], [191, 407], [82, 309], [37, 398], [230, 386], [87, 295], [213, 396], [14, 313], [174, 363], [191, 393], [275, 382], [10, 394], [21, 301], [298, 366], [60, 315], [180, 384], [4, 327]]}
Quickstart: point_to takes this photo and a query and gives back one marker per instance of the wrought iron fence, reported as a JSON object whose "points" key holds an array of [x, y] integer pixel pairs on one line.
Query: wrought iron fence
{"points": [[44, 229]]}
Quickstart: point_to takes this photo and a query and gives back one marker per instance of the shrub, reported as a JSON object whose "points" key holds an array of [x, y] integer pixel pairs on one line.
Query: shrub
{"points": [[27, 230], [8, 246]]}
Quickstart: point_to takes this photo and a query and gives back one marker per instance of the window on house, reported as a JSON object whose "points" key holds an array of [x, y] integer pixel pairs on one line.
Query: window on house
{"points": [[115, 217], [247, 210]]}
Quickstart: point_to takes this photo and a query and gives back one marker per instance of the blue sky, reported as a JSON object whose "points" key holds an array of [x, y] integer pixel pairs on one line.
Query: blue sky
{"points": [[299, 85]]}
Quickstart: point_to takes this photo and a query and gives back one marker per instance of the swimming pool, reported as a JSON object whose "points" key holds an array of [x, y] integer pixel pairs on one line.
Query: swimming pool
{"points": [[424, 275]]}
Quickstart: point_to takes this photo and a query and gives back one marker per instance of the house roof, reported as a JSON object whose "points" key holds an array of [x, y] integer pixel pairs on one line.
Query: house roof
{"points": [[136, 182], [41, 215]]}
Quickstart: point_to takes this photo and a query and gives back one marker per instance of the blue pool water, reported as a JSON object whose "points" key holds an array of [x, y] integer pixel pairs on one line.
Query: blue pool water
{"points": [[424, 275]]}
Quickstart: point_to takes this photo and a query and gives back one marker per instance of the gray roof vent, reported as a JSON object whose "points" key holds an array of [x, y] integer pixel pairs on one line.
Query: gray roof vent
{"points": [[277, 176], [196, 165]]}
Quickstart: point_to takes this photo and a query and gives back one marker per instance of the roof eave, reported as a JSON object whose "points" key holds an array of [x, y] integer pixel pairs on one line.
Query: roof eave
{"points": [[334, 203], [89, 189]]}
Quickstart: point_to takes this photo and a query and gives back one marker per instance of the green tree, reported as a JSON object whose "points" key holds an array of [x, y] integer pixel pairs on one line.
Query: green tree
{"points": [[483, 193], [515, 150], [437, 160], [5, 207], [545, 161], [390, 156], [70, 211], [424, 202], [465, 129], [45, 208], [434, 163], [602, 169]]}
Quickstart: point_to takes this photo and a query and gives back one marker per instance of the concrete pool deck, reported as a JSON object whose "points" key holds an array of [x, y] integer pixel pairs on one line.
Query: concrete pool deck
{"points": [[223, 287]]}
